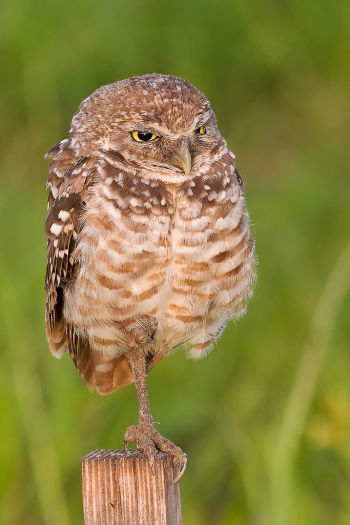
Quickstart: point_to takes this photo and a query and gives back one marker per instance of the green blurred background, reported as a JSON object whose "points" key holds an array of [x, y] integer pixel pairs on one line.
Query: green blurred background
{"points": [[265, 419]]}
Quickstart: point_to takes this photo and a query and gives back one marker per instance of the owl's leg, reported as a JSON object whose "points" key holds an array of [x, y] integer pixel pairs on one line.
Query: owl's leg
{"points": [[148, 439]]}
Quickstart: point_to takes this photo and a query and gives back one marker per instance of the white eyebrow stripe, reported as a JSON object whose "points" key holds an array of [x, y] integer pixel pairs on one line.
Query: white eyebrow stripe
{"points": [[199, 120], [157, 128]]}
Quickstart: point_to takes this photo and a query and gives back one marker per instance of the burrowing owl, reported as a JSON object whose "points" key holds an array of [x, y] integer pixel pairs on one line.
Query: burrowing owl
{"points": [[149, 241]]}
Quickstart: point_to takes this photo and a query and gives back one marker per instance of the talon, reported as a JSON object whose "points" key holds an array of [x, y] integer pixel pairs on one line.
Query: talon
{"points": [[130, 435], [181, 470], [149, 442]]}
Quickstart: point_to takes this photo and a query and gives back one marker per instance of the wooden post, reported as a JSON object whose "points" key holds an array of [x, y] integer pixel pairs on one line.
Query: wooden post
{"points": [[120, 489]]}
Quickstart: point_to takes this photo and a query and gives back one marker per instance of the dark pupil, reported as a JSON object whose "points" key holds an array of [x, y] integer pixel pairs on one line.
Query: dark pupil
{"points": [[145, 136]]}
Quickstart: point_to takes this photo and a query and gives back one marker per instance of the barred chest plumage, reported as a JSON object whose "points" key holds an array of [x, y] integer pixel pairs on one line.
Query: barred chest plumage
{"points": [[179, 252]]}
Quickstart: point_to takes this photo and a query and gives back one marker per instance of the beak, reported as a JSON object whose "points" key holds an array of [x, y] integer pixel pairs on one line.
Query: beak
{"points": [[182, 159]]}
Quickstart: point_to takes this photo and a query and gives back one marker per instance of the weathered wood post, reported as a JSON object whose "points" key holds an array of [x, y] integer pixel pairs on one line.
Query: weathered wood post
{"points": [[119, 489]]}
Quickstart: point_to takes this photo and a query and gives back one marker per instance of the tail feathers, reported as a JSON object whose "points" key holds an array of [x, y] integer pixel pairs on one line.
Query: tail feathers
{"points": [[57, 339], [106, 375], [82, 356], [111, 375]]}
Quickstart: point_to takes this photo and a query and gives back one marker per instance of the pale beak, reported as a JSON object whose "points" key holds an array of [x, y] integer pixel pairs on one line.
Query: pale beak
{"points": [[182, 159]]}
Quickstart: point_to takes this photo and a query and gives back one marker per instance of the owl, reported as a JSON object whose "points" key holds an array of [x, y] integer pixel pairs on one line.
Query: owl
{"points": [[149, 241]]}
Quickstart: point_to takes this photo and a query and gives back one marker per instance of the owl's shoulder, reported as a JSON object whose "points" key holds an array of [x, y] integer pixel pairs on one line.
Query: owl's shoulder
{"points": [[131, 192]]}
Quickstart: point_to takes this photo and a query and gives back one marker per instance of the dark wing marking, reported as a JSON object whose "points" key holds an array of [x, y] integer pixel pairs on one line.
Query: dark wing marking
{"points": [[68, 182]]}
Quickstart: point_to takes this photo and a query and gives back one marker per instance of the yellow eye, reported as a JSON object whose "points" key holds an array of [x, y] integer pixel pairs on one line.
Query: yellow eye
{"points": [[141, 136], [202, 130]]}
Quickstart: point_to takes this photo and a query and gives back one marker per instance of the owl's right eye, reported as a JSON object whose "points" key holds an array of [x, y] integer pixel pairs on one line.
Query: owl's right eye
{"points": [[201, 131], [140, 136]]}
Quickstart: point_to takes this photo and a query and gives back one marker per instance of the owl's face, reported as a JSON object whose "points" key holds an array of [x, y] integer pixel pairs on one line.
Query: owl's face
{"points": [[156, 123]]}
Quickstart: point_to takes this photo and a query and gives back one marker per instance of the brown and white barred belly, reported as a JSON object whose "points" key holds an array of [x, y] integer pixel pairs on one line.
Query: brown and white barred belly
{"points": [[179, 252]]}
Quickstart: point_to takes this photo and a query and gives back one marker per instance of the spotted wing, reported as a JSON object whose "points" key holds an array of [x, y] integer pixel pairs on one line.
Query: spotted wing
{"points": [[68, 182]]}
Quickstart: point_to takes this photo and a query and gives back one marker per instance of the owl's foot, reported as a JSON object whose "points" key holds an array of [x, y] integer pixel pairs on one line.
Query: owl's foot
{"points": [[149, 442], [144, 434]]}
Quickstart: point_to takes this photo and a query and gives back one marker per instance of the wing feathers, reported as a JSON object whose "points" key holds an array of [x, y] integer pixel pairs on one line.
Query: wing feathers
{"points": [[62, 228]]}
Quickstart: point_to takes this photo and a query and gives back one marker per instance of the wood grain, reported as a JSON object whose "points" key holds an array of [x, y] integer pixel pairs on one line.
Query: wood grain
{"points": [[119, 489]]}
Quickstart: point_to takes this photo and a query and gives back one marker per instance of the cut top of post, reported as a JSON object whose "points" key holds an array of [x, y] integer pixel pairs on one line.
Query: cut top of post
{"points": [[119, 488]]}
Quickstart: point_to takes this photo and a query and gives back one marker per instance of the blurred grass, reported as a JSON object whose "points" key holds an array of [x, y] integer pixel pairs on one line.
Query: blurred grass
{"points": [[278, 78]]}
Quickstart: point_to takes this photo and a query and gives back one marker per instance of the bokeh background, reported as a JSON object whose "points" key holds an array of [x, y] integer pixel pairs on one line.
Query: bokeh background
{"points": [[265, 419]]}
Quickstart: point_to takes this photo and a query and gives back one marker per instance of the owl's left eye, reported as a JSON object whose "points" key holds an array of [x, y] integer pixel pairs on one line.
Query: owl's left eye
{"points": [[201, 131], [140, 136]]}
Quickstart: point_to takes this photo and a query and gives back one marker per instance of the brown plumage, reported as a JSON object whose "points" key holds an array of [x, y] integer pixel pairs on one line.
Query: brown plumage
{"points": [[149, 241]]}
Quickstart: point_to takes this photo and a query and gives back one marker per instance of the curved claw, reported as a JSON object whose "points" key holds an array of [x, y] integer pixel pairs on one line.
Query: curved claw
{"points": [[130, 435], [181, 470]]}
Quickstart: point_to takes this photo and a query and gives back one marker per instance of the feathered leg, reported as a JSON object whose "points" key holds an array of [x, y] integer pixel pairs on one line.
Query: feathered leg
{"points": [[144, 433]]}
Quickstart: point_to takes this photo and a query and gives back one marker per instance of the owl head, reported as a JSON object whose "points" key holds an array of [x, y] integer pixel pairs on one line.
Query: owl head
{"points": [[154, 123]]}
